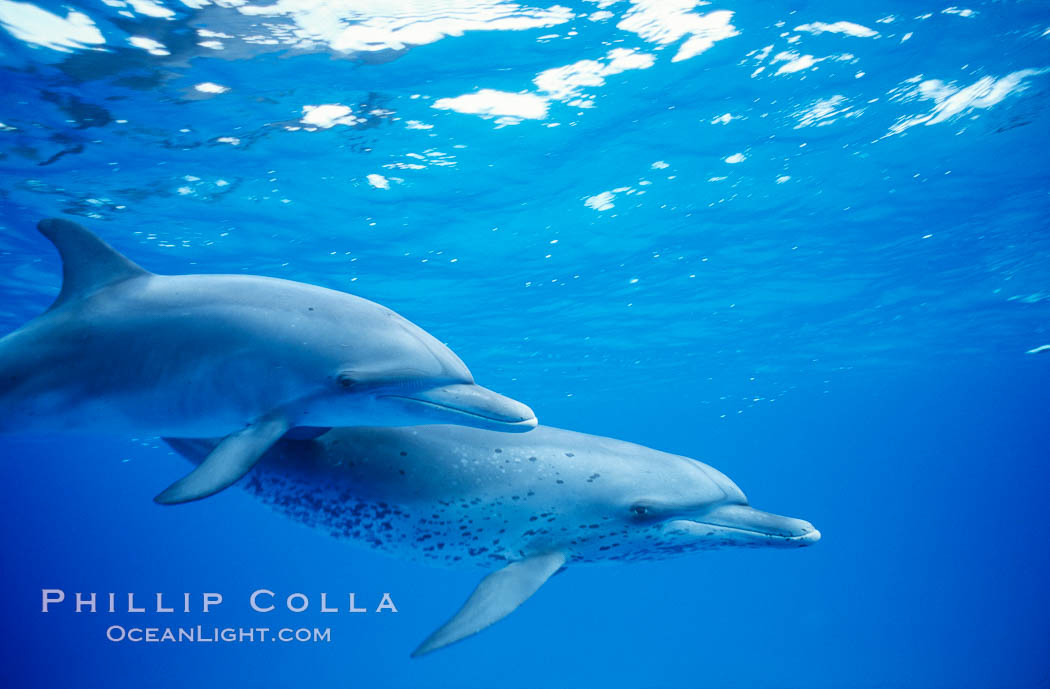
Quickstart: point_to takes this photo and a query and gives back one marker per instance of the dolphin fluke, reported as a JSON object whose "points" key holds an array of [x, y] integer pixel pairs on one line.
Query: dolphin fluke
{"points": [[498, 595], [88, 263], [228, 462]]}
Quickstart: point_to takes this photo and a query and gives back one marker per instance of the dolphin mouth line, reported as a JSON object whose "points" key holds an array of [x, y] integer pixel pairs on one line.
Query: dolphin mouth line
{"points": [[464, 412], [807, 536]]}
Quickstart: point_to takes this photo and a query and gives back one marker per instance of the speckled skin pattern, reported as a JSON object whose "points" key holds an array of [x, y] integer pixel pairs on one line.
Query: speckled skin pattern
{"points": [[462, 497]]}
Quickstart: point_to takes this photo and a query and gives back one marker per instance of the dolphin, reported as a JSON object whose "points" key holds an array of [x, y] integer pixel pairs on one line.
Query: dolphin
{"points": [[242, 357], [522, 506]]}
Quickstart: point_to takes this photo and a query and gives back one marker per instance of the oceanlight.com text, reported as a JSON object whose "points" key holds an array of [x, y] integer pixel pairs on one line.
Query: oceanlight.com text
{"points": [[201, 634]]}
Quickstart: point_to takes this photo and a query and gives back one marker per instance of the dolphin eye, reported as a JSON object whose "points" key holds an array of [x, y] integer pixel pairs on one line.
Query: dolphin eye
{"points": [[640, 511], [345, 381]]}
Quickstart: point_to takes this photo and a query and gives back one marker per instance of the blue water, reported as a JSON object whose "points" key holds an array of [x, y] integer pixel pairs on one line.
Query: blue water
{"points": [[813, 254]]}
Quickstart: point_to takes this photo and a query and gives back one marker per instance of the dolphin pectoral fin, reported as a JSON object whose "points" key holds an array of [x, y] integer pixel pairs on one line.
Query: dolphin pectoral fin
{"points": [[229, 461], [498, 595]]}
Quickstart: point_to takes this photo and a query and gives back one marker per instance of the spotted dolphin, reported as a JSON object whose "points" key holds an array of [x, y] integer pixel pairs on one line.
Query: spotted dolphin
{"points": [[242, 357], [522, 506]]}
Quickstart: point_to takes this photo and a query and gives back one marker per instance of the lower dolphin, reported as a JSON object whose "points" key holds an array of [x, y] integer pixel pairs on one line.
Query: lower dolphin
{"points": [[524, 505]]}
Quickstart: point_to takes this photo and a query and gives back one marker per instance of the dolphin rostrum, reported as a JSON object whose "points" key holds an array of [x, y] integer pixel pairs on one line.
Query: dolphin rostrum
{"points": [[522, 505], [241, 357]]}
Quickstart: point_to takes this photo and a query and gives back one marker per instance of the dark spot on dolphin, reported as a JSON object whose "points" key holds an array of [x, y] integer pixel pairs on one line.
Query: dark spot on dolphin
{"points": [[569, 454], [403, 453], [498, 450], [532, 459]]}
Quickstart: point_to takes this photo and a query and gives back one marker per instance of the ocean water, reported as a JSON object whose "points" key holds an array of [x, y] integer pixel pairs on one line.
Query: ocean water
{"points": [[805, 242]]}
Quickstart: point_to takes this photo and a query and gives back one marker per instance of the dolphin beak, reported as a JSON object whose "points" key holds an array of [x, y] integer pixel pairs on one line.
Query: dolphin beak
{"points": [[774, 527], [467, 404]]}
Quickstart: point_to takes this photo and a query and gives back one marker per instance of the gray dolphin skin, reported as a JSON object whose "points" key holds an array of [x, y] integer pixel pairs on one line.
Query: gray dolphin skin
{"points": [[241, 357], [522, 505]]}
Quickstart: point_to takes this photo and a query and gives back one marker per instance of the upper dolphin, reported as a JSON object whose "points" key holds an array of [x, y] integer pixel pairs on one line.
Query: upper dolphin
{"points": [[521, 506], [242, 357]]}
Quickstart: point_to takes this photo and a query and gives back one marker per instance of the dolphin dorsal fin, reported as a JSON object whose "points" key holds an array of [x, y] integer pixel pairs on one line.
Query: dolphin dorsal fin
{"points": [[88, 263]]}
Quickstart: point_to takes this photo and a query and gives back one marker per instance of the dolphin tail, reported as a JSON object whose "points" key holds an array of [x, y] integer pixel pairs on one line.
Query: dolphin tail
{"points": [[231, 459], [498, 595]]}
